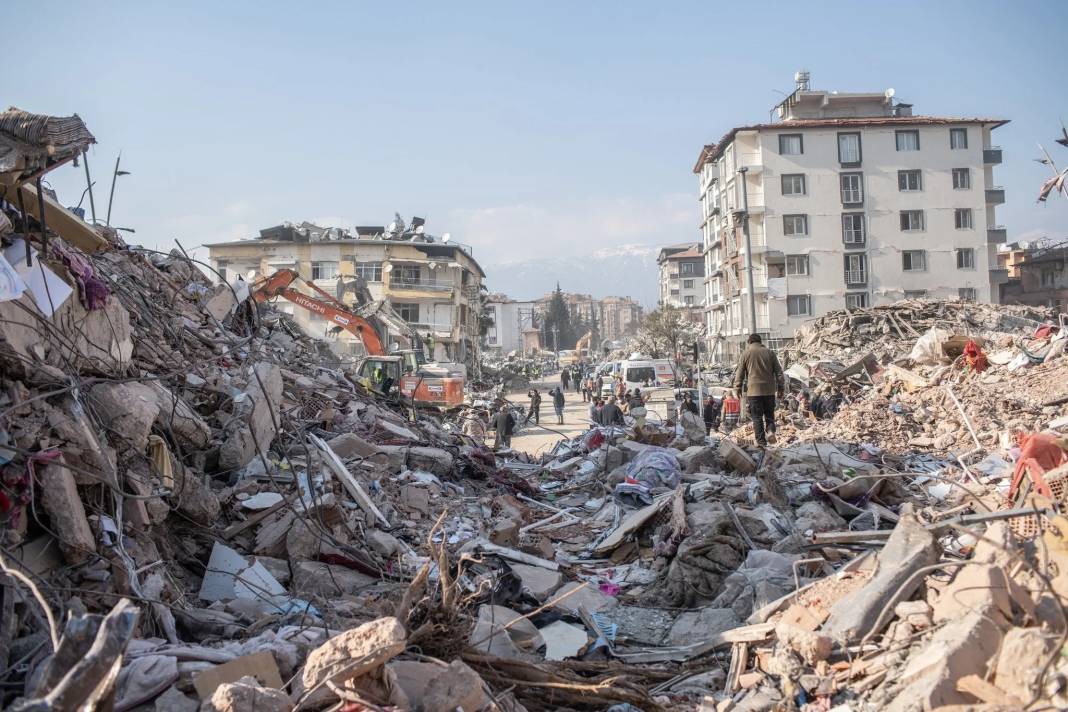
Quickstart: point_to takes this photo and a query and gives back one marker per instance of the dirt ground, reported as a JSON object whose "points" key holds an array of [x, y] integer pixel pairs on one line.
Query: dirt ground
{"points": [[536, 439]]}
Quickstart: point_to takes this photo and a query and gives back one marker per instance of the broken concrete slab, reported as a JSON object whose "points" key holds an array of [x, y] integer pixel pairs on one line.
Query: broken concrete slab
{"points": [[175, 415], [220, 302], [60, 500], [430, 459], [254, 421], [349, 445], [230, 575], [355, 652], [127, 410], [247, 695], [314, 578], [502, 632], [697, 458], [563, 640], [588, 598], [981, 588], [702, 623], [537, 581], [910, 547], [456, 687]]}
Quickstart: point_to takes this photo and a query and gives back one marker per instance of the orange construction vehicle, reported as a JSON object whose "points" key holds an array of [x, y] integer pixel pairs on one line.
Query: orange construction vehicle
{"points": [[426, 384]]}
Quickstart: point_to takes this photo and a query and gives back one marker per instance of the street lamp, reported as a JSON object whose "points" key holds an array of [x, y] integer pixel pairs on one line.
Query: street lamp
{"points": [[748, 250]]}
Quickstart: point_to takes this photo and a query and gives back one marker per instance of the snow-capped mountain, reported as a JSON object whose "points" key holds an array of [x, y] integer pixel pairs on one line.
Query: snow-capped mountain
{"points": [[623, 270]]}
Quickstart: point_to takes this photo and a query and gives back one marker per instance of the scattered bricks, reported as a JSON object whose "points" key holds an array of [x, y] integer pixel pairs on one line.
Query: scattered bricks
{"points": [[963, 647], [355, 652], [127, 411], [59, 497], [915, 613], [909, 548], [505, 532], [246, 695]]}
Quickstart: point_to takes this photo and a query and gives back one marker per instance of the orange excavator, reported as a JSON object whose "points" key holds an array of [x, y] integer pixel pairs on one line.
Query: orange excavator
{"points": [[426, 384]]}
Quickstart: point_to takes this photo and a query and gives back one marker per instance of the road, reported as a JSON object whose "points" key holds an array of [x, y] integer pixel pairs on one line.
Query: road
{"points": [[536, 440]]}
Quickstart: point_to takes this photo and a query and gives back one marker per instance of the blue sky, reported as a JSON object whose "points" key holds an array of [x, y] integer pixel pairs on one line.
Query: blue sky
{"points": [[523, 130]]}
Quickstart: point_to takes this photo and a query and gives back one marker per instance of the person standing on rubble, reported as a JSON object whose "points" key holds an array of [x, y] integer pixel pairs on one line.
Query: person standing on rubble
{"points": [[761, 375], [558, 404], [504, 424], [535, 407]]}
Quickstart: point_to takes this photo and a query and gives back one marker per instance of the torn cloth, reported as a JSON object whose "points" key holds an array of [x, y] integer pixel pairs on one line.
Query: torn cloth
{"points": [[92, 290]]}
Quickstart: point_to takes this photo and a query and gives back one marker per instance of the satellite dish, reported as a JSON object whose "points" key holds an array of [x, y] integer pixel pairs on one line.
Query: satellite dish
{"points": [[889, 93], [445, 238]]}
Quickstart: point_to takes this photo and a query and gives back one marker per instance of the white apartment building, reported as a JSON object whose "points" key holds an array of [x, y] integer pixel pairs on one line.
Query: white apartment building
{"points": [[852, 202], [510, 321], [681, 271]]}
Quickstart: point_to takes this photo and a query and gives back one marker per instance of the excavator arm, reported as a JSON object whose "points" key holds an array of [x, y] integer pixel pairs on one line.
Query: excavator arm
{"points": [[278, 285]]}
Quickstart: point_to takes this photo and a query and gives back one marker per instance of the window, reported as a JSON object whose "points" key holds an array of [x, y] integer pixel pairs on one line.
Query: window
{"points": [[687, 284], [408, 312], [966, 258], [856, 269], [688, 268], [688, 301], [369, 271], [849, 149], [793, 184], [958, 138], [797, 265], [1049, 277], [914, 260], [857, 300], [909, 181], [962, 179], [853, 228], [798, 305], [852, 188], [791, 144], [907, 140], [962, 218], [405, 274], [911, 220], [915, 294], [966, 294], [324, 270], [795, 225]]}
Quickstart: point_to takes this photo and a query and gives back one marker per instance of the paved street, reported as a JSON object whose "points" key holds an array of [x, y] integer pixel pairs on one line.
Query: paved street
{"points": [[535, 440]]}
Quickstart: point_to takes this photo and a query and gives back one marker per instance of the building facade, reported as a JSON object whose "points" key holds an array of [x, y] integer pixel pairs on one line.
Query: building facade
{"points": [[433, 285], [681, 270], [510, 321], [614, 317], [1038, 275], [851, 202]]}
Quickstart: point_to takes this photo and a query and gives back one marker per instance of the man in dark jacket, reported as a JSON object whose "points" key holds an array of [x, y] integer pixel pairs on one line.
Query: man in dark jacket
{"points": [[504, 425], [558, 405], [535, 407], [565, 377], [611, 414], [759, 371]]}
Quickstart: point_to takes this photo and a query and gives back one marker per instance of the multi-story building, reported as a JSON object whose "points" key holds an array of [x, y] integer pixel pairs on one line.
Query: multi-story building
{"points": [[1037, 274], [614, 317], [851, 201], [433, 284], [511, 321], [681, 270]]}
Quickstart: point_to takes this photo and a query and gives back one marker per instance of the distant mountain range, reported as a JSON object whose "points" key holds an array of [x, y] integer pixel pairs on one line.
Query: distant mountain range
{"points": [[624, 271]]}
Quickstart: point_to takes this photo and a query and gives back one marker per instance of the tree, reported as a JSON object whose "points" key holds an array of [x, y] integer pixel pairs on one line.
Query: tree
{"points": [[558, 316], [667, 333]]}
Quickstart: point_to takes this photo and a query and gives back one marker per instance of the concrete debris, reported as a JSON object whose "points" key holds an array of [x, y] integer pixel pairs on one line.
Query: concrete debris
{"points": [[294, 537]]}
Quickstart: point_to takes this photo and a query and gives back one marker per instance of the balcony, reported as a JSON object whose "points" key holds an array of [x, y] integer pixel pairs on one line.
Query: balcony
{"points": [[436, 328], [992, 156], [419, 285], [995, 196], [856, 277], [999, 275], [996, 235]]}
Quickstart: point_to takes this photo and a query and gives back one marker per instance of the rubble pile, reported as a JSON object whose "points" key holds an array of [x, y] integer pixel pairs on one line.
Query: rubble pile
{"points": [[201, 509]]}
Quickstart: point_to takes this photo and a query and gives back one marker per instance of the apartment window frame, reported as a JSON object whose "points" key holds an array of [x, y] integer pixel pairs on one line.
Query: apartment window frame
{"points": [[860, 300], [794, 180], [859, 147], [850, 229], [801, 266], [799, 305], [967, 294], [856, 262], [966, 174], [785, 138], [687, 268], [906, 134], [321, 271], [853, 195], [958, 139], [688, 301], [409, 311], [687, 284], [905, 182], [915, 294], [963, 219], [918, 225], [792, 220], [965, 258], [368, 271], [914, 260]]}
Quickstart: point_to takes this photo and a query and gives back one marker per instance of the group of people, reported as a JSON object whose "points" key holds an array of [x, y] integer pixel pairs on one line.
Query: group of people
{"points": [[534, 412], [610, 411], [582, 379]]}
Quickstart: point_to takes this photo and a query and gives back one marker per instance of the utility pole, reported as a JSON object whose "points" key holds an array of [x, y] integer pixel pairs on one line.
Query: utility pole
{"points": [[748, 251]]}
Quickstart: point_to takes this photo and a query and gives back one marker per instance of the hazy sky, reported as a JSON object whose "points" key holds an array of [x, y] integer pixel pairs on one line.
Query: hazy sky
{"points": [[521, 128]]}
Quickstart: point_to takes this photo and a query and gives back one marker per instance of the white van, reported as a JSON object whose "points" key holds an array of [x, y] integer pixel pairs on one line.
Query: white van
{"points": [[648, 373]]}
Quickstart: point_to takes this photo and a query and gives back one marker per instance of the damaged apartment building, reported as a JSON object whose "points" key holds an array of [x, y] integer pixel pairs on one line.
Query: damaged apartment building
{"points": [[432, 283], [852, 201]]}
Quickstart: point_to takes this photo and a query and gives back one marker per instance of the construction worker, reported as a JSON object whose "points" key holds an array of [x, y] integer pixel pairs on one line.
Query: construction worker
{"points": [[761, 374]]}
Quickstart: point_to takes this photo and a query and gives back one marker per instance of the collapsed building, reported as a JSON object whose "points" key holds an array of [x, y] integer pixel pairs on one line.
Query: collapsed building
{"points": [[201, 509]]}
